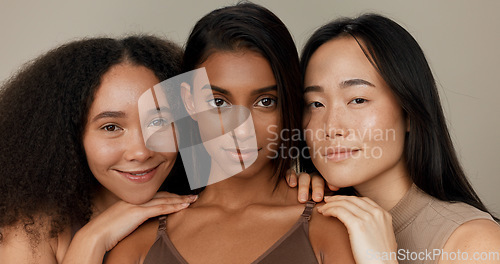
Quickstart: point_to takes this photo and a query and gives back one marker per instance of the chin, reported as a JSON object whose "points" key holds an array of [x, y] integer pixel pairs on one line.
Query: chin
{"points": [[139, 198]]}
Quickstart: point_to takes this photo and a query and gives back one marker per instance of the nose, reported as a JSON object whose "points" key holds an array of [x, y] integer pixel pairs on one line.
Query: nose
{"points": [[335, 123], [136, 149], [246, 130]]}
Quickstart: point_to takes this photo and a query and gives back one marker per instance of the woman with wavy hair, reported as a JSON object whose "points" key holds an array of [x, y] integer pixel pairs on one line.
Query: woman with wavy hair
{"points": [[72, 150]]}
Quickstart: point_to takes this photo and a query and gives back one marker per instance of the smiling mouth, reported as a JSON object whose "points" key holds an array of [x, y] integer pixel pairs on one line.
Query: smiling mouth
{"points": [[140, 173]]}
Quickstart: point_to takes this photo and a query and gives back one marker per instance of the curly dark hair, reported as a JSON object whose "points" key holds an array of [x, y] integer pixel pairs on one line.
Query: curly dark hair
{"points": [[43, 111]]}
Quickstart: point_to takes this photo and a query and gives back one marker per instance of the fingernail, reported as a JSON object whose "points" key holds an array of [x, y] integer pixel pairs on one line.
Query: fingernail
{"points": [[319, 208], [317, 196], [303, 197], [185, 204], [194, 198]]}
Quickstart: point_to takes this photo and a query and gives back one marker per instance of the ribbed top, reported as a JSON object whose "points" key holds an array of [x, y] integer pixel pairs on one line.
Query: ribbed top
{"points": [[407, 209], [423, 224]]}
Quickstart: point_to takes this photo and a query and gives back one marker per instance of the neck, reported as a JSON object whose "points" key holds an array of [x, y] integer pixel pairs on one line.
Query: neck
{"points": [[387, 189], [244, 189]]}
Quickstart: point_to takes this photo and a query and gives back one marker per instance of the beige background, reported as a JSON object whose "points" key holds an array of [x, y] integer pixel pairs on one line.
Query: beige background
{"points": [[460, 38]]}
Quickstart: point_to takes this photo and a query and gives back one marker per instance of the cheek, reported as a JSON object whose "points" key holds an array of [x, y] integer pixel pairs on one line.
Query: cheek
{"points": [[314, 128], [384, 132], [101, 154], [169, 156], [267, 128]]}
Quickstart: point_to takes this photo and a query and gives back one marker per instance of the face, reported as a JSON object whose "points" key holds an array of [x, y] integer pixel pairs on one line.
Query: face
{"points": [[353, 123], [242, 88], [113, 142]]}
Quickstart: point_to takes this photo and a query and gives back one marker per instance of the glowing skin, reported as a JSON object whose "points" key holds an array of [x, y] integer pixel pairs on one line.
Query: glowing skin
{"points": [[242, 78], [353, 122], [114, 143]]}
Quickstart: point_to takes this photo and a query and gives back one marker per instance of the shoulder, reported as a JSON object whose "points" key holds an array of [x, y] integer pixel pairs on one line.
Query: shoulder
{"points": [[458, 212], [479, 236], [21, 245], [330, 239], [135, 247]]}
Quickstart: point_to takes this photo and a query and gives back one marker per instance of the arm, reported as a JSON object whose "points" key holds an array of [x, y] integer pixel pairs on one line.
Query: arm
{"points": [[305, 180], [369, 226], [330, 240], [476, 240], [103, 232]]}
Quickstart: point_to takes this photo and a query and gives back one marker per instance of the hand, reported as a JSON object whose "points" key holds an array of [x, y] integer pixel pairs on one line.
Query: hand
{"points": [[369, 226], [304, 179], [104, 231]]}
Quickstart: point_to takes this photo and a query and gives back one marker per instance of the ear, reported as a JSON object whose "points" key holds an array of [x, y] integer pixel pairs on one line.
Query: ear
{"points": [[187, 99]]}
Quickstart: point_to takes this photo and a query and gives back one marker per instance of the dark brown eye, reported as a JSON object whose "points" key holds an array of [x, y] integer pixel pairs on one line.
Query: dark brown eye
{"points": [[315, 104], [218, 102], [110, 128], [266, 102], [358, 101]]}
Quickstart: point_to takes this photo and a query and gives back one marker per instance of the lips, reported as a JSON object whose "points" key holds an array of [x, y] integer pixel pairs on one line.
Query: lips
{"points": [[139, 176], [244, 154], [338, 154]]}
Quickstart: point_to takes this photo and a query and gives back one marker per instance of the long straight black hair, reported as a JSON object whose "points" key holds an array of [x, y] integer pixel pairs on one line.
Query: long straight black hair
{"points": [[247, 26], [429, 153]]}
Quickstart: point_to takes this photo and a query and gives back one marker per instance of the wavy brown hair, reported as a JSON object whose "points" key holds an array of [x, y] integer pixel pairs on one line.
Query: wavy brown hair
{"points": [[43, 110]]}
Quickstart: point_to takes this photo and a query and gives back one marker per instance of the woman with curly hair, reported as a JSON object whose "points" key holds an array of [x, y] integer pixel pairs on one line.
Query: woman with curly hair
{"points": [[72, 150]]}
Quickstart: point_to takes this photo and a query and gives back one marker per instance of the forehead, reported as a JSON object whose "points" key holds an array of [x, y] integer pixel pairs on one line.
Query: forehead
{"points": [[123, 84], [238, 69], [339, 58]]}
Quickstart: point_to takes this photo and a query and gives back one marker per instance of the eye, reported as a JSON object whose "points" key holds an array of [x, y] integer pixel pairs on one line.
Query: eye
{"points": [[266, 102], [111, 128], [217, 102], [358, 101], [316, 105], [159, 122]]}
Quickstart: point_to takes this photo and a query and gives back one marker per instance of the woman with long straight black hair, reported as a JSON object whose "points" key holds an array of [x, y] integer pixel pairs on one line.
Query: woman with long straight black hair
{"points": [[373, 121]]}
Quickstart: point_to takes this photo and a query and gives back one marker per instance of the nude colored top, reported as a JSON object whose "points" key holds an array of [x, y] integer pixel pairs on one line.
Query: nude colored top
{"points": [[422, 225], [293, 247]]}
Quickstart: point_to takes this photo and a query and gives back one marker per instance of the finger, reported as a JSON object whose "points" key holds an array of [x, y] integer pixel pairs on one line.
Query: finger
{"points": [[162, 209], [370, 201], [291, 178], [348, 205], [333, 188], [318, 187], [304, 182], [345, 216], [362, 202], [167, 201], [165, 194]]}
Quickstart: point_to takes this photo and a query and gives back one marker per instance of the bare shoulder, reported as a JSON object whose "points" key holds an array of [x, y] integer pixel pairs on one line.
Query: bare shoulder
{"points": [[475, 237], [22, 244], [135, 247], [330, 239]]}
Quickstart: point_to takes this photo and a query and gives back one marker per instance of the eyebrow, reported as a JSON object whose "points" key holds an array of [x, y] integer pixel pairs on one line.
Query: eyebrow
{"points": [[313, 88], [354, 82], [226, 92], [109, 114], [162, 109], [344, 84]]}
